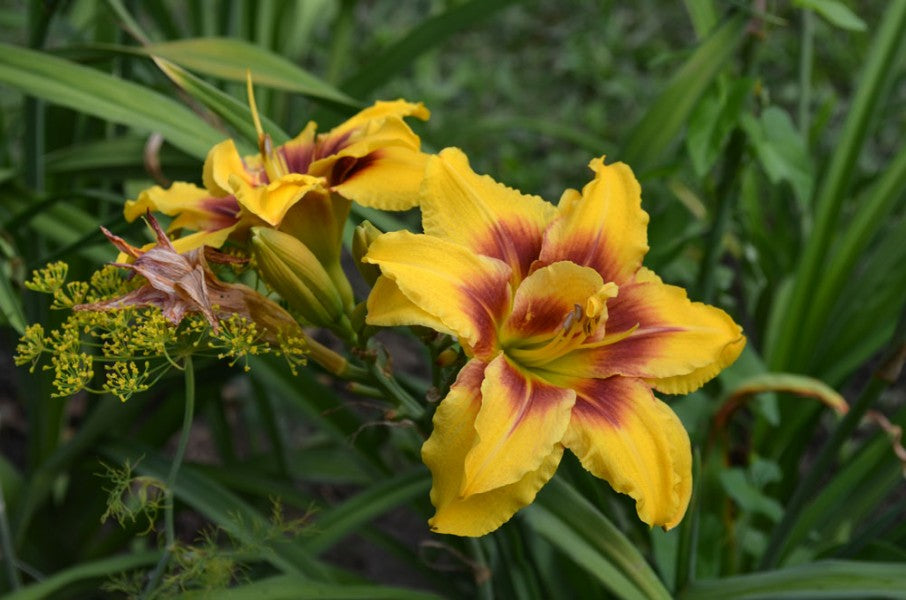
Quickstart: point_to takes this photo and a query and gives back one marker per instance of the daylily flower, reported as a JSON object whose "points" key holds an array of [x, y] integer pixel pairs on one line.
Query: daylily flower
{"points": [[568, 337], [303, 187]]}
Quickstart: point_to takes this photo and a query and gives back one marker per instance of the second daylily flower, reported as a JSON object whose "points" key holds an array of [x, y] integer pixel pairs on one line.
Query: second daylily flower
{"points": [[303, 187], [567, 334]]}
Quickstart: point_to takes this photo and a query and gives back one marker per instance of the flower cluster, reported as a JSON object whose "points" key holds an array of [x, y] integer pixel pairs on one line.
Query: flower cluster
{"points": [[141, 327], [566, 335]]}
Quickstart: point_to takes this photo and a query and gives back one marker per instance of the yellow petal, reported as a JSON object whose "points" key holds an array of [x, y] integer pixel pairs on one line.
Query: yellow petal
{"points": [[625, 435], [272, 201], [468, 293], [522, 419], [193, 207], [223, 162], [445, 452], [378, 164], [214, 239], [389, 307], [605, 228], [661, 336], [482, 214], [388, 178], [382, 110]]}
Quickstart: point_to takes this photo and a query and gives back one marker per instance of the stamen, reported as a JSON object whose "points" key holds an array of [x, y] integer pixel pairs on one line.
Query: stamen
{"points": [[578, 326]]}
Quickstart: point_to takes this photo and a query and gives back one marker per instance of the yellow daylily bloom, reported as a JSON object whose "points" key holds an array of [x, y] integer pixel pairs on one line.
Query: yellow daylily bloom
{"points": [[304, 186], [567, 335]]}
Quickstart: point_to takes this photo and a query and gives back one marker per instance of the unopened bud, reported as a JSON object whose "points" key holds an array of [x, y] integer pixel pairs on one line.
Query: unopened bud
{"points": [[291, 269], [447, 357], [362, 238]]}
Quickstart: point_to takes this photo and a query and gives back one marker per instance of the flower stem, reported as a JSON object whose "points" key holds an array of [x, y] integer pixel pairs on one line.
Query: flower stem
{"points": [[169, 528], [384, 380]]}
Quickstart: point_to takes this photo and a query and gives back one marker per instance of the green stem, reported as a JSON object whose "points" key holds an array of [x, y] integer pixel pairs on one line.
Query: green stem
{"points": [[9, 555], [383, 379], [409, 406], [884, 377], [169, 528]]}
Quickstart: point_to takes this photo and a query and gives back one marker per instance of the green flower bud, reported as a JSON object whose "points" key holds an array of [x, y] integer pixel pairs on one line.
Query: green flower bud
{"points": [[290, 268], [364, 234]]}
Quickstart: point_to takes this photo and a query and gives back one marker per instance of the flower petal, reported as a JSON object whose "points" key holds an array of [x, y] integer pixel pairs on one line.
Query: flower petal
{"points": [[465, 291], [378, 164], [381, 110], [482, 214], [445, 453], [625, 435], [389, 307], [272, 201], [387, 178], [660, 336], [521, 420], [193, 207], [605, 228], [223, 161]]}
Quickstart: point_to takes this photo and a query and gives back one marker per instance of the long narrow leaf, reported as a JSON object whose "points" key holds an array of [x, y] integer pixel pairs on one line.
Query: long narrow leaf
{"points": [[788, 352], [231, 59], [105, 96], [336, 523], [667, 115], [287, 587], [825, 579], [84, 572], [578, 524]]}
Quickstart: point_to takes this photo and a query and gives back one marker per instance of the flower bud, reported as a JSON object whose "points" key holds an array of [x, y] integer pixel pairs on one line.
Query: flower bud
{"points": [[364, 234], [289, 267]]}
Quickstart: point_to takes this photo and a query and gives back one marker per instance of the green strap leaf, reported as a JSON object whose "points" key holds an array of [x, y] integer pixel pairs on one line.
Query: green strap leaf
{"points": [[788, 352], [574, 526], [334, 524], [287, 587], [824, 579], [669, 113], [836, 13], [84, 572], [105, 96], [228, 58]]}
